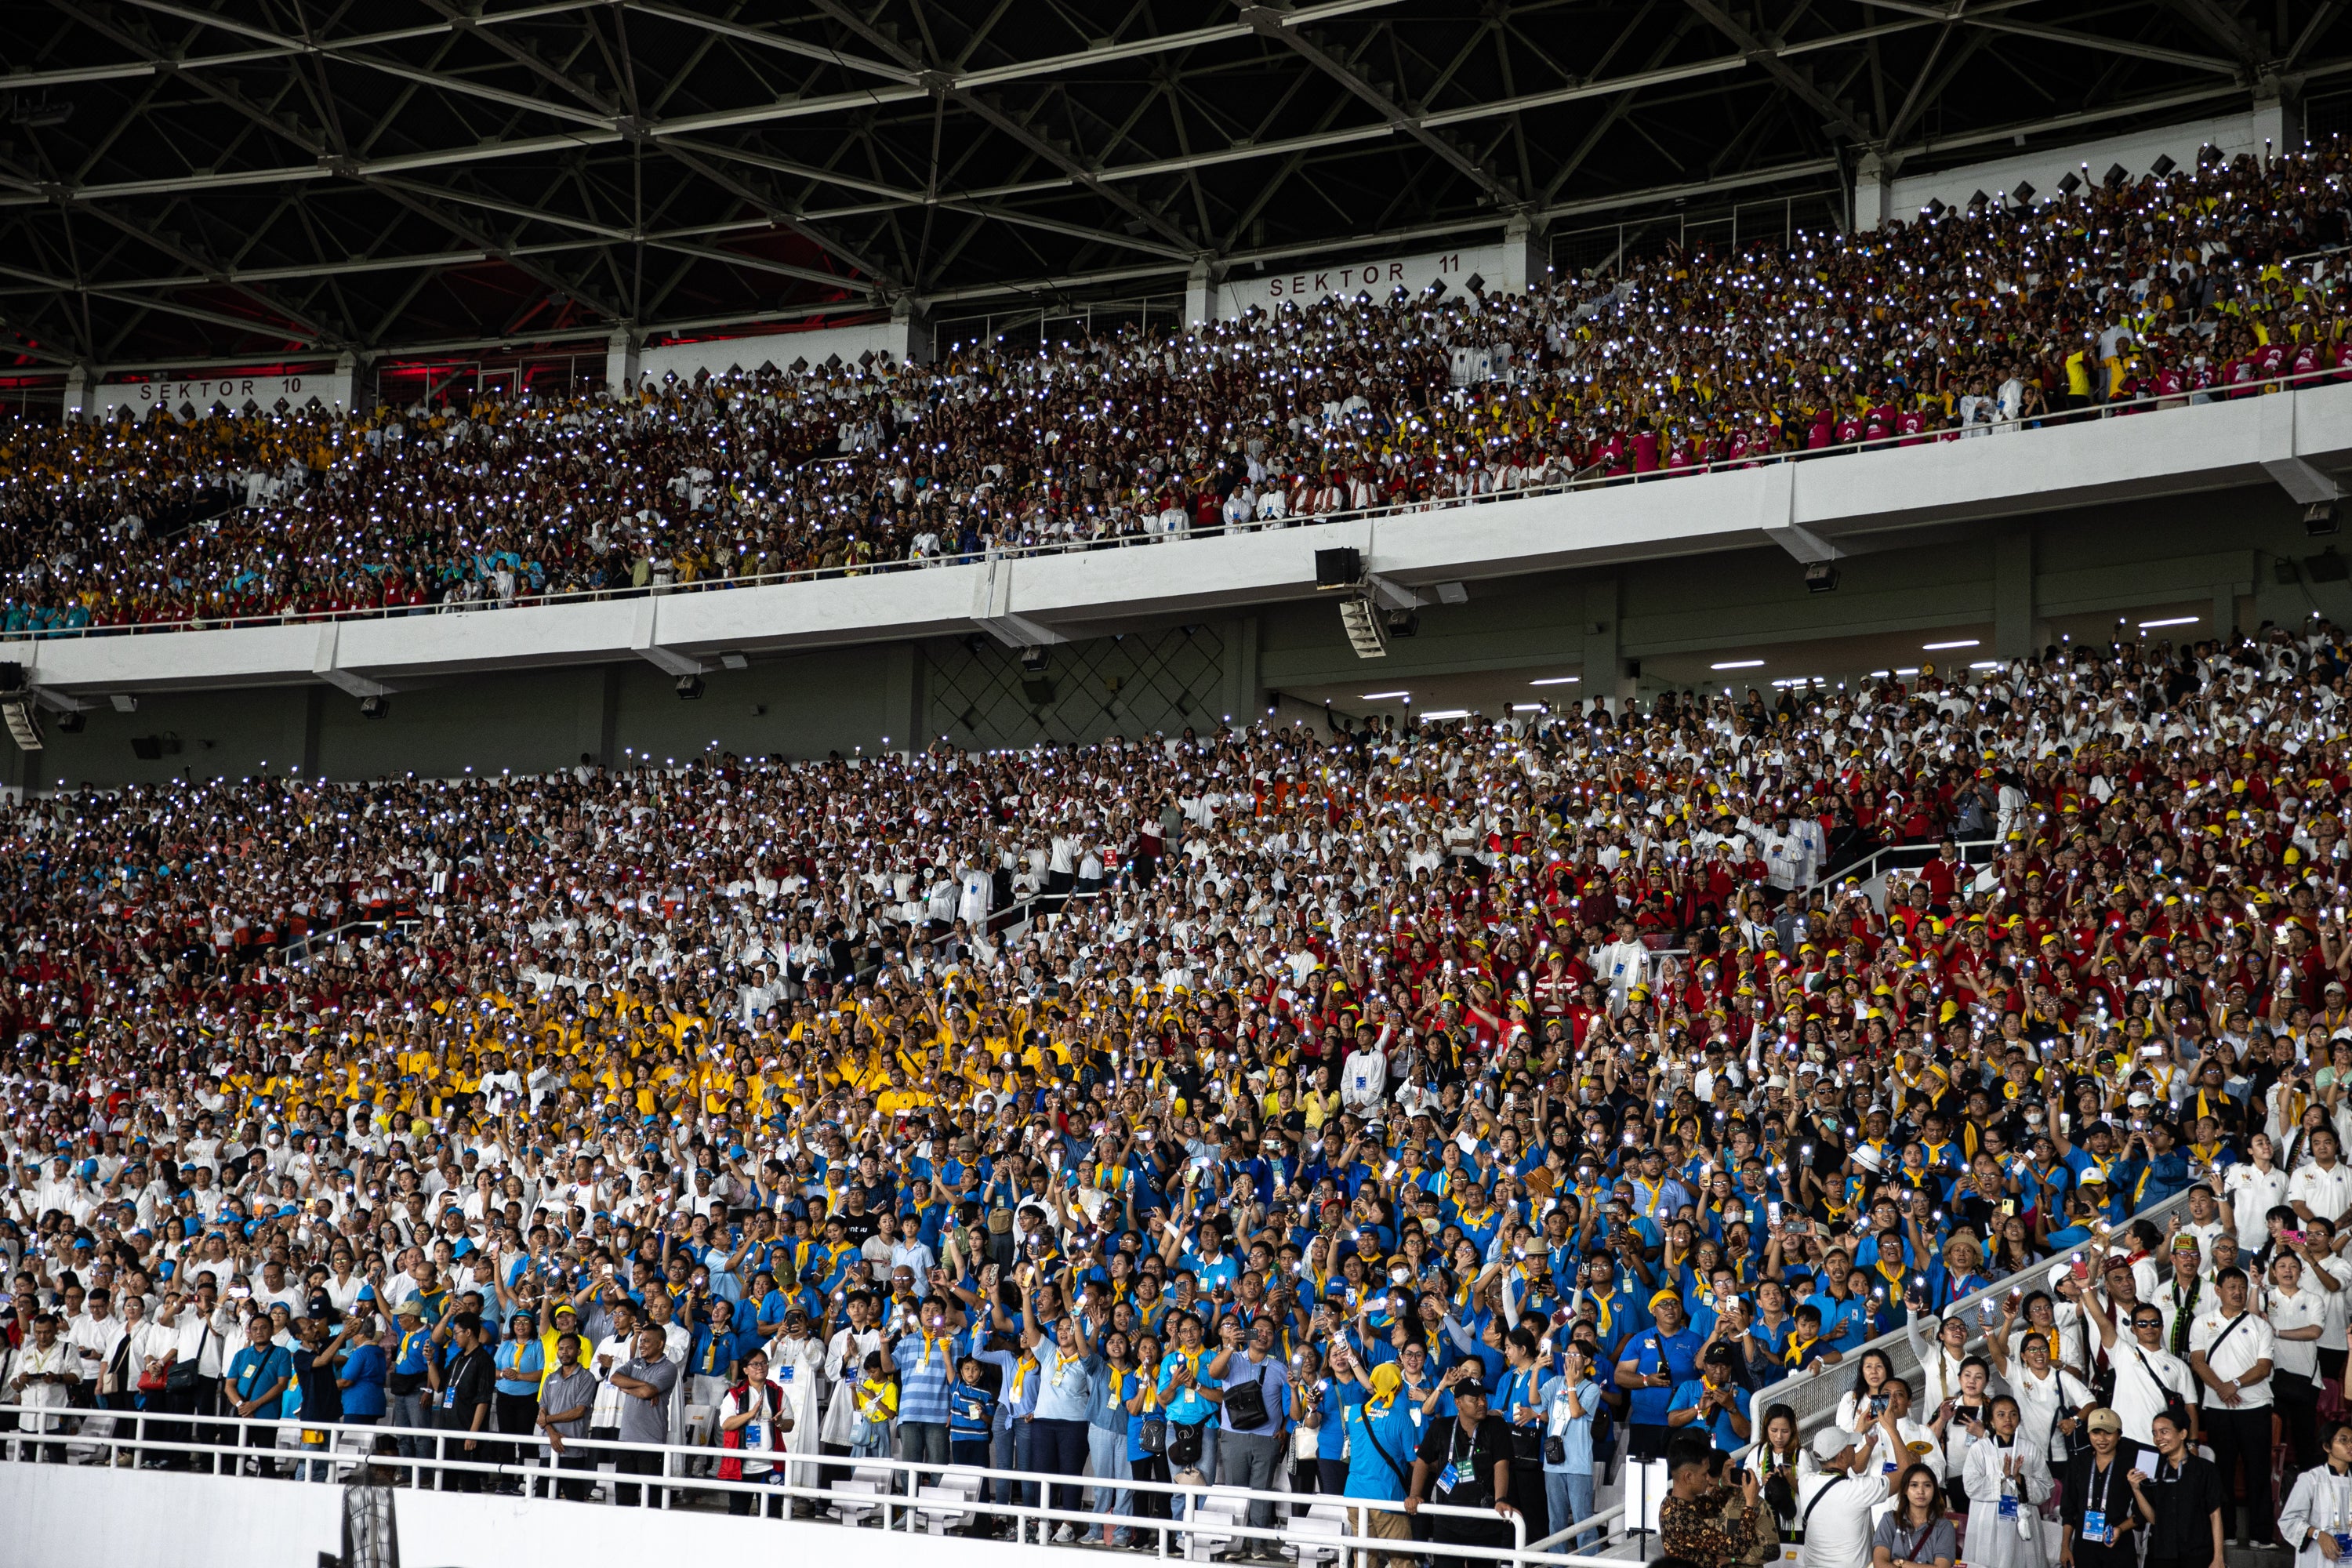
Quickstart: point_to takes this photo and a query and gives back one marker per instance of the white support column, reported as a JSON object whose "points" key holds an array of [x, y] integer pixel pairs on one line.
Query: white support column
{"points": [[621, 362], [1524, 263], [1200, 294], [77, 402]]}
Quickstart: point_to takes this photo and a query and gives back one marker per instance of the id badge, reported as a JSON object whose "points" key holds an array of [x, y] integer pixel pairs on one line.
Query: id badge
{"points": [[2094, 1526], [2008, 1505], [1455, 1474], [2343, 1544], [449, 1398], [752, 1436], [785, 1374]]}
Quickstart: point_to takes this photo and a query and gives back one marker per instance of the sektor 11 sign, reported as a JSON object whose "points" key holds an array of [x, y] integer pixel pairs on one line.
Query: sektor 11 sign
{"points": [[1346, 276]]}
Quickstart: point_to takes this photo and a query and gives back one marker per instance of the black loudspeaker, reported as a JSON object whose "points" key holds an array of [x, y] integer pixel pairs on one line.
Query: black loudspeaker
{"points": [[1340, 568]]}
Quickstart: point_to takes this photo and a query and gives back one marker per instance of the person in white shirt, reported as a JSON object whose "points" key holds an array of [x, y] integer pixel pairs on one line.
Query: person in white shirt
{"points": [[1840, 1505], [2145, 1370], [1364, 1076], [2319, 1501], [2230, 1350], [2006, 1463], [2322, 1189], [2051, 1400], [2297, 1314], [42, 1375], [2255, 1186], [757, 1413]]}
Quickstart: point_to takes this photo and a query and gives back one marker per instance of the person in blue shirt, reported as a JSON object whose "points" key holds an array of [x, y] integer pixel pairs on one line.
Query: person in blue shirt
{"points": [[1570, 1400], [972, 1415], [1184, 1385], [1843, 1305], [362, 1376], [1518, 1400], [1714, 1401], [521, 1361], [1653, 1365], [1318, 1403], [253, 1384], [1383, 1434], [2151, 1169]]}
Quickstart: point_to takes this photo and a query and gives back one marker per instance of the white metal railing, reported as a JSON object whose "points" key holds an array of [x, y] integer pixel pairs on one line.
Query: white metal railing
{"points": [[906, 1494], [1589, 479], [1814, 1395], [1870, 872]]}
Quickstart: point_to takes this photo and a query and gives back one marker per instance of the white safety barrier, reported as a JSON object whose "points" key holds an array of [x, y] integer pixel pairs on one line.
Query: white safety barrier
{"points": [[113, 1448]]}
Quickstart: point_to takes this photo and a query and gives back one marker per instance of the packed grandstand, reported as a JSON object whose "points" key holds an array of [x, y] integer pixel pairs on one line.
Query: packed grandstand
{"points": [[1021, 1105], [1234, 1105], [2207, 283]]}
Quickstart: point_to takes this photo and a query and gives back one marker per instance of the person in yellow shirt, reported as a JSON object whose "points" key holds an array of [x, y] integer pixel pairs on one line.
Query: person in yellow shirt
{"points": [[874, 1400]]}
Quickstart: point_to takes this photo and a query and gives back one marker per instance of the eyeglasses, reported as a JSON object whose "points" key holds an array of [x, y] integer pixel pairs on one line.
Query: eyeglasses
{"points": [[2148, 1322]]}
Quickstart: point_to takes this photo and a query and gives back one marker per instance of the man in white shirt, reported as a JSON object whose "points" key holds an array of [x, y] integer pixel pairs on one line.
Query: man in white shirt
{"points": [[2322, 1189], [42, 1375], [1840, 1503], [2230, 1350], [2255, 1186], [1364, 1076], [1623, 964], [2145, 1370]]}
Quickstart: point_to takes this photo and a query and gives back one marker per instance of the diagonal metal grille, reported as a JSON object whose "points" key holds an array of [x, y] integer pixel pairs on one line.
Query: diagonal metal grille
{"points": [[1133, 686]]}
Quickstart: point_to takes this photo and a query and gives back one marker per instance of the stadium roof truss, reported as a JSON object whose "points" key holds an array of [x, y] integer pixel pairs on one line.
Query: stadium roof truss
{"points": [[193, 180]]}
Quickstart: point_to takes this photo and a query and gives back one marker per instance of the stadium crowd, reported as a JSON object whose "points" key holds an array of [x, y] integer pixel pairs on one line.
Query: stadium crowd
{"points": [[2222, 281], [1332, 1112]]}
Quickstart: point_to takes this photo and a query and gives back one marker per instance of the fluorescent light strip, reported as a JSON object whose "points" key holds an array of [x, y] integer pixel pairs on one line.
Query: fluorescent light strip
{"points": [[1529, 706], [2174, 621], [1557, 681], [1446, 713], [1913, 671], [1383, 696], [1986, 664], [1946, 647], [1738, 664]]}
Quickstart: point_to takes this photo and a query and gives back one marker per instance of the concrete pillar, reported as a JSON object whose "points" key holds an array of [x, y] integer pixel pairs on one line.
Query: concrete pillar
{"points": [[621, 360], [1243, 700], [597, 707], [2013, 633], [301, 717], [903, 704], [2225, 611], [1524, 263], [1604, 660], [910, 335], [78, 382], [1200, 294], [1873, 192]]}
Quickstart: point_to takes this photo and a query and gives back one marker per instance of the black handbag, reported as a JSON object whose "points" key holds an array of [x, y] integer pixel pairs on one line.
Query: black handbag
{"points": [[1245, 1404], [1185, 1444], [1153, 1435], [181, 1378]]}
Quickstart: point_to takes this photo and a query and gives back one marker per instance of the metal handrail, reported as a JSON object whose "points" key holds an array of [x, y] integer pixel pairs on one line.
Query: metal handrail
{"points": [[1584, 480], [1868, 869], [1801, 1390], [909, 1504]]}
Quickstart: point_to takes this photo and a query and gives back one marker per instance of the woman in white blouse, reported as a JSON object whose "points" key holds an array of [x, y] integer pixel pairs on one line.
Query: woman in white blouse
{"points": [[2297, 1315], [2320, 1503], [2051, 1400]]}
